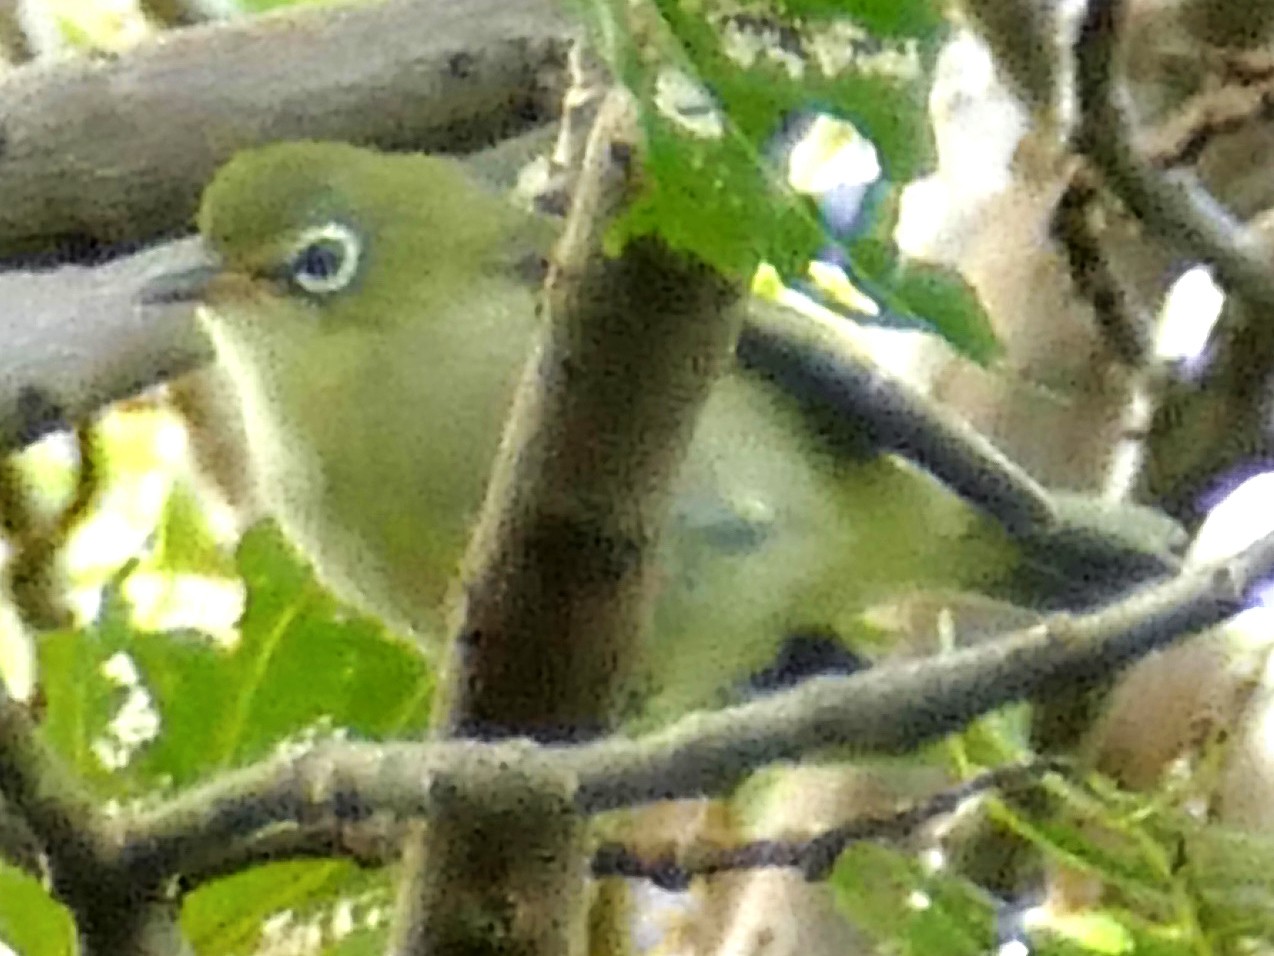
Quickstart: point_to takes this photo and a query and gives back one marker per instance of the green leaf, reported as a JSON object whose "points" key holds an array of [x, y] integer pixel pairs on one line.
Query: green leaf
{"points": [[1095, 931], [303, 662], [704, 216], [916, 18], [361, 942], [1000, 737], [311, 900], [948, 303], [184, 542], [1112, 856], [31, 923], [1110, 930], [935, 295], [80, 702], [890, 897], [722, 197]]}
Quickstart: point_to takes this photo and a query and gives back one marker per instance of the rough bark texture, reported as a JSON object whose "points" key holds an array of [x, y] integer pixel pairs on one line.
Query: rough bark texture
{"points": [[98, 153]]}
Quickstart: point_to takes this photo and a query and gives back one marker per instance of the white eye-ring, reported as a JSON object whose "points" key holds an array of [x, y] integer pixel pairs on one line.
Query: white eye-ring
{"points": [[326, 259]]}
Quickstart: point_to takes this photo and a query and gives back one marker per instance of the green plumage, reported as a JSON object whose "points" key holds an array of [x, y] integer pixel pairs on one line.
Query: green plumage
{"points": [[374, 413]]}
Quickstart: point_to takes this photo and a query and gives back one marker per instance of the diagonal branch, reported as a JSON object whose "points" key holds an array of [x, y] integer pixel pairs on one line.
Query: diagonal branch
{"points": [[75, 339], [890, 709], [817, 360], [897, 707]]}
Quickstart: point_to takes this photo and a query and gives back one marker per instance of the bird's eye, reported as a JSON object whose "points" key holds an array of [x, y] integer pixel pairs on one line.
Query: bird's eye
{"points": [[326, 259]]}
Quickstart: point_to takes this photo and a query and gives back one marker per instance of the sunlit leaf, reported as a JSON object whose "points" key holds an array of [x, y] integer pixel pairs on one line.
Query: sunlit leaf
{"points": [[303, 667], [880, 17], [889, 896], [1095, 932], [302, 663], [31, 923], [312, 902], [715, 179]]}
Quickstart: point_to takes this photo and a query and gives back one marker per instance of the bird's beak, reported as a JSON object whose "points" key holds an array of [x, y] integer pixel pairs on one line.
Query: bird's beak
{"points": [[193, 284]]}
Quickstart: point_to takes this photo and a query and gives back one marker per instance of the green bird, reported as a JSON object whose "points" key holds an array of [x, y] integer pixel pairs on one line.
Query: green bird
{"points": [[374, 312]]}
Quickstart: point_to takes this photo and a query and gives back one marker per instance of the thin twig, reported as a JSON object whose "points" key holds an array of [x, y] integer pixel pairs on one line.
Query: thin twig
{"points": [[370, 844], [813, 857], [1124, 324], [1210, 427], [1245, 97], [1126, 327], [378, 842], [1174, 207]]}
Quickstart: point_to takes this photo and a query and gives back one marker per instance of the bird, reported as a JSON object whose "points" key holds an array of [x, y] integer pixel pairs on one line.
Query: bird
{"points": [[374, 311]]}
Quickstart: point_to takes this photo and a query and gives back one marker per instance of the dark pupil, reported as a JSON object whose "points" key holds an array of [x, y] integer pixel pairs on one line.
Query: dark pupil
{"points": [[319, 260]]}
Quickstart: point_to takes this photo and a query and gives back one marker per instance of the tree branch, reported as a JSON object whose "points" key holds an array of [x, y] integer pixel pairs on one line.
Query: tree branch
{"points": [[116, 152], [820, 362], [816, 856], [889, 709], [896, 707], [377, 841], [1202, 429], [1174, 207], [77, 338], [114, 912], [1126, 326], [558, 571]]}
